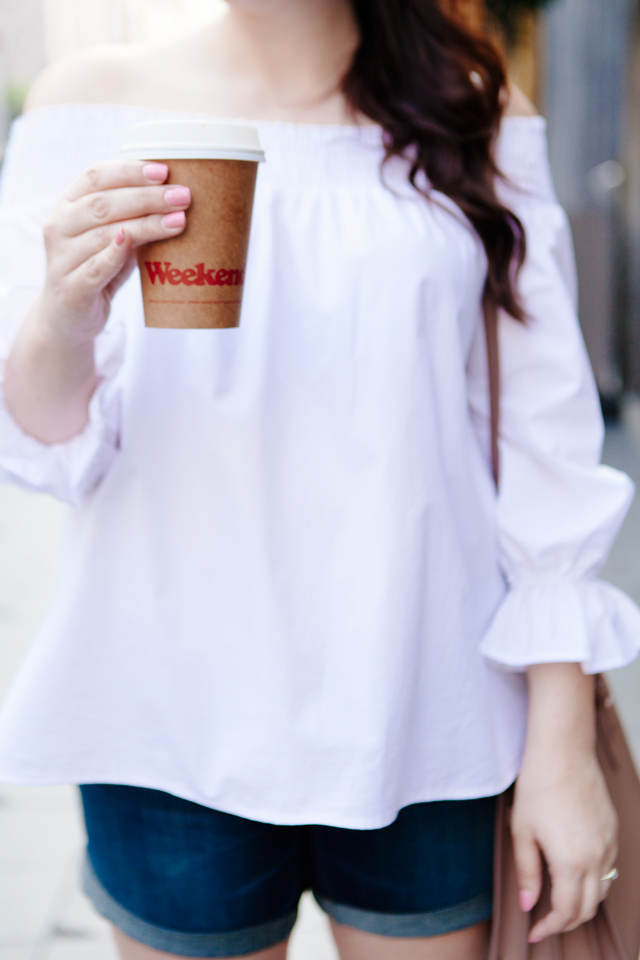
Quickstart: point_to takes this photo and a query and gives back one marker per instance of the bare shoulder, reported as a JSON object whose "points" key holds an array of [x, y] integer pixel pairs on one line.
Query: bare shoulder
{"points": [[518, 105], [98, 75]]}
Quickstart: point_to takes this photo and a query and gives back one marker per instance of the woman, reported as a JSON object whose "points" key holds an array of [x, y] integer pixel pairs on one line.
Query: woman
{"points": [[291, 595]]}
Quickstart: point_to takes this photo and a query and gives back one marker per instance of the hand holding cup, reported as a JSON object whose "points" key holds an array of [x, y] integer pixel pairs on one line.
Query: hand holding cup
{"points": [[91, 235]]}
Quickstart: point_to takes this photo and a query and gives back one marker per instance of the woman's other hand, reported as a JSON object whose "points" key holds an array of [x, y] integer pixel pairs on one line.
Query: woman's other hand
{"points": [[562, 809], [90, 240]]}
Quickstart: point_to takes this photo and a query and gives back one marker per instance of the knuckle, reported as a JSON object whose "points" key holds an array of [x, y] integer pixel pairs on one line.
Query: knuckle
{"points": [[527, 874], [92, 270], [600, 857], [144, 199], [99, 206], [103, 237], [567, 903], [577, 867], [574, 864], [92, 177]]}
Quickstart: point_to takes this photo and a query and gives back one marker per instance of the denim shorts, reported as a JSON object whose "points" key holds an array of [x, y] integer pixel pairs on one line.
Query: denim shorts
{"points": [[193, 881]]}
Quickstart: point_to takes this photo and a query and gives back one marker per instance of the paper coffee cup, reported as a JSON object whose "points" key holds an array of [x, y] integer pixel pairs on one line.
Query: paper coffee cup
{"points": [[196, 280]]}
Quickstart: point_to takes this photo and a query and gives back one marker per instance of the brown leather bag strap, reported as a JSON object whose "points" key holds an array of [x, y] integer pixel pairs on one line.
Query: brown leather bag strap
{"points": [[493, 363]]}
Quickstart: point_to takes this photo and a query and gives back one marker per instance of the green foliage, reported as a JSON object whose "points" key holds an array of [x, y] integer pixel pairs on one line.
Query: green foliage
{"points": [[507, 12], [16, 93]]}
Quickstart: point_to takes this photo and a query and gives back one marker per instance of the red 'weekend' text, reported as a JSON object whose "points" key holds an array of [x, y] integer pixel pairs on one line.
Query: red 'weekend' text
{"points": [[193, 277]]}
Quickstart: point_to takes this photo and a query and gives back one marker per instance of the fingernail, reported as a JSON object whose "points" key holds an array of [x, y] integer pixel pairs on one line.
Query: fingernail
{"points": [[156, 171], [178, 196], [535, 939], [526, 901], [173, 220], [119, 238]]}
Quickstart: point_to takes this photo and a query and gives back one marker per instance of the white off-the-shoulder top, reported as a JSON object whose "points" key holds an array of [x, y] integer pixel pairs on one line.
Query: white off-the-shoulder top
{"points": [[289, 589]]}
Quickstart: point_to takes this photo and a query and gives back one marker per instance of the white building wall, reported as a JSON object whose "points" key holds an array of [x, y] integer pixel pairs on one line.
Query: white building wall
{"points": [[70, 25], [33, 32], [21, 39]]}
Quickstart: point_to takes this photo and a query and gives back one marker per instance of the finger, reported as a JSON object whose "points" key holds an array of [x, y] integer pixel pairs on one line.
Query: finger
{"points": [[590, 902], [120, 278], [116, 206], [592, 895], [604, 886], [529, 870], [83, 284], [116, 173], [143, 230], [567, 896]]}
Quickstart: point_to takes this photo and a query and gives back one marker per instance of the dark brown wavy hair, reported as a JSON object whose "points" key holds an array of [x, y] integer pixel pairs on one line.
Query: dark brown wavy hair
{"points": [[436, 86]]}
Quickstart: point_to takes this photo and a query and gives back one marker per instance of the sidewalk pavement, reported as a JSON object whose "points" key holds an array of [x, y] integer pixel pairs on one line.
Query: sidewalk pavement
{"points": [[43, 915]]}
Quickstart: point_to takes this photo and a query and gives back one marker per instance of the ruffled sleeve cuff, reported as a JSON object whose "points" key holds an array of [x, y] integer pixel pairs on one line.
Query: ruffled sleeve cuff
{"points": [[69, 470], [583, 621]]}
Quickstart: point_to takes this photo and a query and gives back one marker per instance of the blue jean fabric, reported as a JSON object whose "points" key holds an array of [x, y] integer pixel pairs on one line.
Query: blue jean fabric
{"points": [[193, 881]]}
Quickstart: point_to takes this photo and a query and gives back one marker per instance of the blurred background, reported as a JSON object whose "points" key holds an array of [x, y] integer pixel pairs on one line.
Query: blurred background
{"points": [[579, 61]]}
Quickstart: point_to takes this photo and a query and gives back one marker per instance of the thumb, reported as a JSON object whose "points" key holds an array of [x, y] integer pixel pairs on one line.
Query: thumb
{"points": [[121, 278], [529, 871]]}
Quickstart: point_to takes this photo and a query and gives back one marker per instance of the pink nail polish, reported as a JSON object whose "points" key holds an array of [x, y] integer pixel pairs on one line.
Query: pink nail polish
{"points": [[174, 220], [119, 238], [156, 171], [526, 901], [535, 939], [178, 196]]}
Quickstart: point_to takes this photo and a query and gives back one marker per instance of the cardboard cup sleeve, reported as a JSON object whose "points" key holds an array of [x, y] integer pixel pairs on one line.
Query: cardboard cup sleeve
{"points": [[196, 280]]}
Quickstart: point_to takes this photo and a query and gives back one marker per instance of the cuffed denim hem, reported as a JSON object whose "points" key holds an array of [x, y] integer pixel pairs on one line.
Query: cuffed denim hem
{"points": [[432, 924], [236, 943]]}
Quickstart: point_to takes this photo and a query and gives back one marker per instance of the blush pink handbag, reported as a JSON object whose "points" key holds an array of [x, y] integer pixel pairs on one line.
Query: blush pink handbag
{"points": [[614, 933]]}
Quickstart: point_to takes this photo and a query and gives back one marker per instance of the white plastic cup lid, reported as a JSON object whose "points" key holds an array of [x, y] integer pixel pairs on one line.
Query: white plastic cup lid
{"points": [[191, 140]]}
